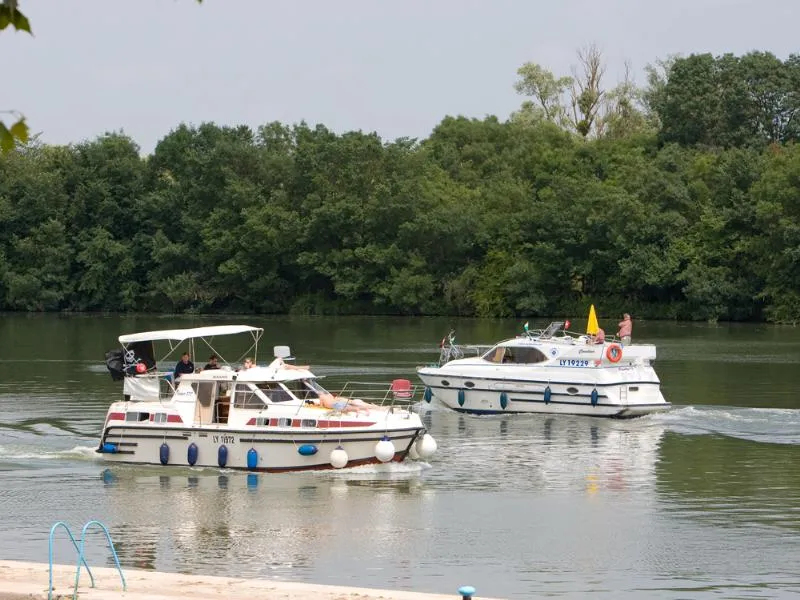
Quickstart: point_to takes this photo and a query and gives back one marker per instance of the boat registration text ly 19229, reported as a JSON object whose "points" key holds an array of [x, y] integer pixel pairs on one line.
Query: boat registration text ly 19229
{"points": [[573, 362]]}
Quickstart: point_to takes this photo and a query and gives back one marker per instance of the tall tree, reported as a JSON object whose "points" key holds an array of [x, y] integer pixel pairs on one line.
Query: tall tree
{"points": [[587, 90], [545, 88]]}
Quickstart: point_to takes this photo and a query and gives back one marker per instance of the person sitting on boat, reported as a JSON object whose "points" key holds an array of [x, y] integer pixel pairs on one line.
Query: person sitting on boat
{"points": [[625, 329], [185, 365], [248, 364], [212, 363], [279, 363], [599, 337], [345, 405]]}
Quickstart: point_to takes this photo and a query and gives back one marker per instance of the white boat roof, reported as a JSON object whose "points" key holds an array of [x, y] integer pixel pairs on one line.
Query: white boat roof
{"points": [[185, 334]]}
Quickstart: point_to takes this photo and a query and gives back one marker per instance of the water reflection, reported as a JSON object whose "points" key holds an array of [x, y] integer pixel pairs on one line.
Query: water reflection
{"points": [[556, 452], [135, 547], [284, 523]]}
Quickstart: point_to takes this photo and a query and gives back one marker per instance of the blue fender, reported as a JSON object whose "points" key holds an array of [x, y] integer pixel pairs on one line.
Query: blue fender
{"points": [[307, 450], [252, 459], [191, 454], [163, 453]]}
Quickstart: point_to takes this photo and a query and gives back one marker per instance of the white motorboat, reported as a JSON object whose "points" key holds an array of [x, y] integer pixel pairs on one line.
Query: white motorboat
{"points": [[264, 418], [547, 371]]}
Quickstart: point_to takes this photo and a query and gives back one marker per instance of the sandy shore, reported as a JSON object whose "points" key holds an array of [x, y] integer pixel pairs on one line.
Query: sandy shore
{"points": [[29, 581]]}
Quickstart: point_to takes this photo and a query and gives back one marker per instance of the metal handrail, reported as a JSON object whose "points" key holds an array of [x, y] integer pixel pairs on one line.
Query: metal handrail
{"points": [[50, 555], [381, 394], [81, 558]]}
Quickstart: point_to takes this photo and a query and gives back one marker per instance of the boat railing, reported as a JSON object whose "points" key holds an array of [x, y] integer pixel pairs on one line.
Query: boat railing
{"points": [[575, 337], [398, 392], [579, 336], [450, 352]]}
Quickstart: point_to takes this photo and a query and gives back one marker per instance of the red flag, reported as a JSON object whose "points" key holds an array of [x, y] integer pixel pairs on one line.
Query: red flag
{"points": [[566, 325]]}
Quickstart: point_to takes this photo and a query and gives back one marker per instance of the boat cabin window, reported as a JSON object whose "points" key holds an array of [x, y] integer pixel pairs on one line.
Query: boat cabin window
{"points": [[137, 416], [247, 395], [520, 355]]}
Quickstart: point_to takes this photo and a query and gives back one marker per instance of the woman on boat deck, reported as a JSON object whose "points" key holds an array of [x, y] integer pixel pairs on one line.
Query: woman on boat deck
{"points": [[345, 405]]}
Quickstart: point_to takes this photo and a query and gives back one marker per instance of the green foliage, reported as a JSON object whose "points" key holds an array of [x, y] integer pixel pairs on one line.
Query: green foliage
{"points": [[728, 101], [484, 218], [545, 88], [10, 14]]}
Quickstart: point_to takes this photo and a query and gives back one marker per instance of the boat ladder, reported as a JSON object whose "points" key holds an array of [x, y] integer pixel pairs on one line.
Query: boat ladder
{"points": [[81, 558]]}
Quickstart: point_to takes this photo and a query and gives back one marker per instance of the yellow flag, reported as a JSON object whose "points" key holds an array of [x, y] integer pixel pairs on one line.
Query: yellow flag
{"points": [[591, 325]]}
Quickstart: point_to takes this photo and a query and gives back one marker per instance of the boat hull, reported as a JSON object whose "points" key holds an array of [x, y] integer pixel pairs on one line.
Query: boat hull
{"points": [[274, 451], [627, 397]]}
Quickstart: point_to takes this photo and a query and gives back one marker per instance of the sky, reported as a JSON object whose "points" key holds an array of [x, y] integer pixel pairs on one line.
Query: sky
{"points": [[395, 67]]}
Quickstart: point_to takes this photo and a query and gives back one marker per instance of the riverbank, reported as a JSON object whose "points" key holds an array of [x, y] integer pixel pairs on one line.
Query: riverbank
{"points": [[29, 581]]}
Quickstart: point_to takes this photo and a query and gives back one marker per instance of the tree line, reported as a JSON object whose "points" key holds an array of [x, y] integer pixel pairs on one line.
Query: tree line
{"points": [[680, 199]]}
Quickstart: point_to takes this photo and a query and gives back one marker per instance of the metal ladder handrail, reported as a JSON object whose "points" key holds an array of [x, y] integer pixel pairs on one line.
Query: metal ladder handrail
{"points": [[81, 558], [50, 554]]}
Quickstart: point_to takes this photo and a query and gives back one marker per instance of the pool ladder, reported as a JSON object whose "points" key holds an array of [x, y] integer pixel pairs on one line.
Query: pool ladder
{"points": [[81, 557]]}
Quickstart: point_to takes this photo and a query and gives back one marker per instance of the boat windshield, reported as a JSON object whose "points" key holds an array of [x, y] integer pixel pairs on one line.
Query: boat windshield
{"points": [[305, 389], [258, 395], [515, 355], [552, 329]]}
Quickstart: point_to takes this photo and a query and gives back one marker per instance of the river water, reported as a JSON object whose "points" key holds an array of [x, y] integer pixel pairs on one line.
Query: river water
{"points": [[701, 502]]}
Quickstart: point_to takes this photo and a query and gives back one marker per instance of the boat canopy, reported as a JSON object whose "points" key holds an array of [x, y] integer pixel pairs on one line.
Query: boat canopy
{"points": [[185, 334]]}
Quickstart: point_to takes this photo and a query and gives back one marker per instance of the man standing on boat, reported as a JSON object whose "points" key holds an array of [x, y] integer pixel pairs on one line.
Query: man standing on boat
{"points": [[625, 329], [185, 365]]}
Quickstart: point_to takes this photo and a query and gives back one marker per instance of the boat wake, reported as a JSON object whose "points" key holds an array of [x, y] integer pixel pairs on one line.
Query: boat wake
{"points": [[13, 453], [765, 425], [392, 470]]}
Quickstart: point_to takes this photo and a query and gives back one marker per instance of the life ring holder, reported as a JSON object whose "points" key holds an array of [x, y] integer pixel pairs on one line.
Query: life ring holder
{"points": [[614, 353]]}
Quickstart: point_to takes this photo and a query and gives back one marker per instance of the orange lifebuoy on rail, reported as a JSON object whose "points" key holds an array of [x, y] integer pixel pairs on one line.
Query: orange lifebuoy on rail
{"points": [[614, 353]]}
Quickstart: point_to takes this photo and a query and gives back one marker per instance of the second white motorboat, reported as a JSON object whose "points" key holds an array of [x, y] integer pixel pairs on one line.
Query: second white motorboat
{"points": [[547, 371]]}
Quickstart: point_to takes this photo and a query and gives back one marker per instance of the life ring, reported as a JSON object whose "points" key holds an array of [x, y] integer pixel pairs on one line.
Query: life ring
{"points": [[614, 353]]}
